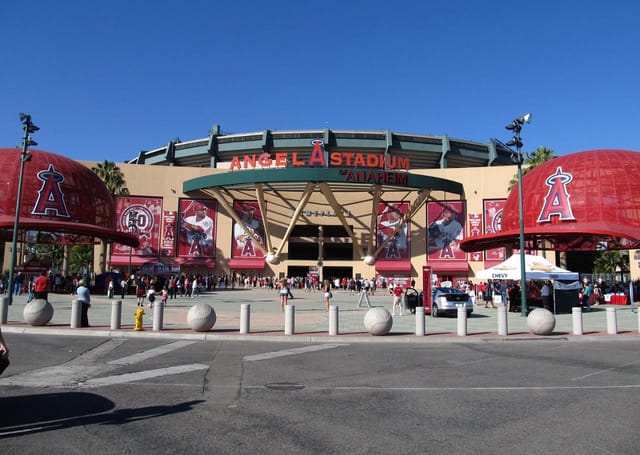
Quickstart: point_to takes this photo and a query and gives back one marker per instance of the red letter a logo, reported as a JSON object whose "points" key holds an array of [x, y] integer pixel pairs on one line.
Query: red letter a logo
{"points": [[50, 197], [556, 202]]}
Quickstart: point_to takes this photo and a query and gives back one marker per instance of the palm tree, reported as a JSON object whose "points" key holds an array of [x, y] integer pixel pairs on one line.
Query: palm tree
{"points": [[113, 178], [537, 157]]}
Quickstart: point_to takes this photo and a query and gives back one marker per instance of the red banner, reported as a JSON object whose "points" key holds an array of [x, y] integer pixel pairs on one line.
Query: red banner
{"points": [[390, 215], [139, 216], [493, 223], [197, 227], [244, 243], [446, 230], [169, 233]]}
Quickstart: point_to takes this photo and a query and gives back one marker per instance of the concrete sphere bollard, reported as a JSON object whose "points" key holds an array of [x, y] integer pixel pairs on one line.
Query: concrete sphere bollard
{"points": [[38, 312], [378, 321], [541, 321], [201, 317]]}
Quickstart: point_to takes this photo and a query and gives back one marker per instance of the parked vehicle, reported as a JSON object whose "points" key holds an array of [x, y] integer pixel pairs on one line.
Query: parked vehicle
{"points": [[445, 300]]}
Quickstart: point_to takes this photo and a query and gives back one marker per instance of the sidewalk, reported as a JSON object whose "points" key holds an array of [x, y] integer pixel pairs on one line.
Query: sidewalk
{"points": [[311, 320]]}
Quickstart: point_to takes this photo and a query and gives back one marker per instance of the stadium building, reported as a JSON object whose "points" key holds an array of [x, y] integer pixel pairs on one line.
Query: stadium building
{"points": [[327, 203]]}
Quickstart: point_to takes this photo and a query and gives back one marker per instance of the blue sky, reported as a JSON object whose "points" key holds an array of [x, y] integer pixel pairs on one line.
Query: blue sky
{"points": [[104, 80]]}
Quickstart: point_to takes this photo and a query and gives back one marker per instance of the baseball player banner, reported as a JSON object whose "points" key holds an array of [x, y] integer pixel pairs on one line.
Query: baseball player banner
{"points": [[139, 216], [197, 227], [390, 215], [445, 221], [493, 223], [169, 233], [244, 242]]}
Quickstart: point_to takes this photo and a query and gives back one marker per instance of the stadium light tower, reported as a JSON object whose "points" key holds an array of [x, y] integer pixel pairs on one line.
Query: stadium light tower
{"points": [[516, 141], [28, 127]]}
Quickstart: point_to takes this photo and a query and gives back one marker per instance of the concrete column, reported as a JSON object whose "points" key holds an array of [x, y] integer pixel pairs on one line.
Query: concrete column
{"points": [[612, 323], [76, 314], [503, 324], [462, 320], [333, 320], [4, 310], [420, 326], [289, 319], [245, 318], [576, 316], [116, 314], [158, 315]]}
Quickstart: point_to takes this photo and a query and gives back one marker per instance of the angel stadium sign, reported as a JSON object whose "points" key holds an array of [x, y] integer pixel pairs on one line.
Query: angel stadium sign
{"points": [[319, 158]]}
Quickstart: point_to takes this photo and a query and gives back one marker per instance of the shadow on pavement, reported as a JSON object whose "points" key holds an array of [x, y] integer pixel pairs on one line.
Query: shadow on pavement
{"points": [[53, 411]]}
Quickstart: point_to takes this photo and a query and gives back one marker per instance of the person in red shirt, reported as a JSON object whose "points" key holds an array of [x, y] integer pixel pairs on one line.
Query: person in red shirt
{"points": [[41, 287], [398, 306]]}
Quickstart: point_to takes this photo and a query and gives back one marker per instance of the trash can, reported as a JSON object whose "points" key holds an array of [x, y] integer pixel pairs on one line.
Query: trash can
{"points": [[411, 299]]}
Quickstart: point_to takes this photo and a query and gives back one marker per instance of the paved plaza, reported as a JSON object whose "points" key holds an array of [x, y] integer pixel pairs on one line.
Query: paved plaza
{"points": [[311, 320]]}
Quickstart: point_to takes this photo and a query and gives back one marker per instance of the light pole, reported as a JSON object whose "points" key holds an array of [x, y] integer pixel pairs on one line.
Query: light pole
{"points": [[132, 225], [516, 127], [25, 156]]}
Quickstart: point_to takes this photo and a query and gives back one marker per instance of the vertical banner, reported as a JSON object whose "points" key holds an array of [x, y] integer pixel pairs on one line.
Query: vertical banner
{"points": [[244, 243], [475, 229], [169, 233], [139, 216], [390, 215], [197, 227], [493, 223], [445, 231]]}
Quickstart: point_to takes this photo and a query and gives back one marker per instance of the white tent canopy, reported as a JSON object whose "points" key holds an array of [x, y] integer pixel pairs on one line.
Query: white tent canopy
{"points": [[536, 268]]}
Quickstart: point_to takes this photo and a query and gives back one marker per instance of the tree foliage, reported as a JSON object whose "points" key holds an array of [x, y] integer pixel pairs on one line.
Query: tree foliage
{"points": [[80, 258], [610, 261], [51, 254], [531, 161], [112, 177]]}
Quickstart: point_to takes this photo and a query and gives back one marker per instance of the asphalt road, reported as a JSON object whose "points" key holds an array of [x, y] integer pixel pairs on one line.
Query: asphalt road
{"points": [[68, 394]]}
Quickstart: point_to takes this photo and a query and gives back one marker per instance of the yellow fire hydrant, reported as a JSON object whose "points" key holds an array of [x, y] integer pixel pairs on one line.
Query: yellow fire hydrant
{"points": [[139, 313]]}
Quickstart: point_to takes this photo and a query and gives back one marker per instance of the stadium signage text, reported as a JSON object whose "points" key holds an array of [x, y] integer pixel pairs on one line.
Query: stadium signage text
{"points": [[318, 158]]}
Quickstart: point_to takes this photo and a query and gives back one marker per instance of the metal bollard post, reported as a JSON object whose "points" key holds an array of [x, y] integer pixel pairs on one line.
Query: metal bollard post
{"points": [[116, 314], [4, 310], [576, 315], [76, 314], [289, 319], [612, 323], [503, 324], [158, 315], [420, 329], [245, 318], [462, 320], [333, 320]]}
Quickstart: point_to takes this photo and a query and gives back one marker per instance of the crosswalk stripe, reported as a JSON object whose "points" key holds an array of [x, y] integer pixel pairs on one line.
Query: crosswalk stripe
{"points": [[141, 375], [287, 352]]}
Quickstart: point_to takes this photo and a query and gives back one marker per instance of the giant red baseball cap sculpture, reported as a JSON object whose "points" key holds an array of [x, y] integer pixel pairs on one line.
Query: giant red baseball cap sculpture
{"points": [[62, 200], [581, 201]]}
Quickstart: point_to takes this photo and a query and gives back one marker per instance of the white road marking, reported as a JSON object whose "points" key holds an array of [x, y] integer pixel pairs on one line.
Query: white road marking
{"points": [[160, 350], [287, 352], [80, 369], [142, 375], [604, 371], [458, 389]]}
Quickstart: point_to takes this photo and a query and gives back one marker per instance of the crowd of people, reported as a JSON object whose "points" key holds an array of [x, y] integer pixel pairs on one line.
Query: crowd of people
{"points": [[38, 285]]}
